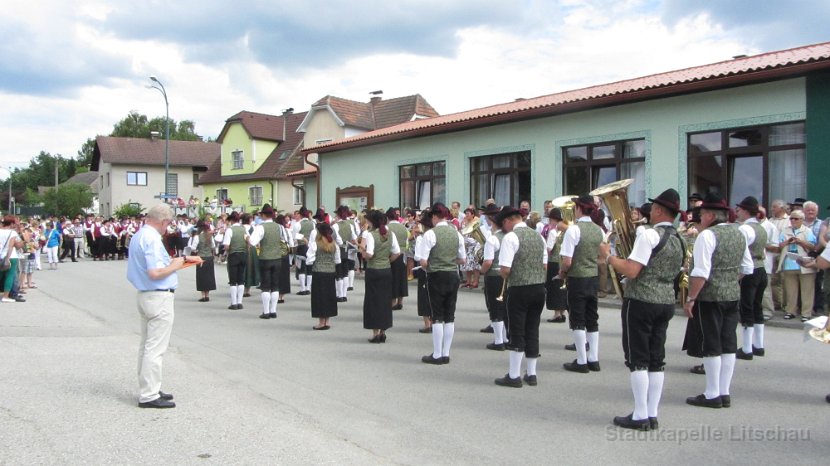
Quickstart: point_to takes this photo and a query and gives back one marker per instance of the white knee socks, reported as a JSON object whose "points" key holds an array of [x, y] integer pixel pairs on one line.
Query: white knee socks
{"points": [[655, 391], [449, 331], [302, 282], [437, 339], [579, 341], [351, 279], [498, 332], [639, 386], [712, 366], [727, 367], [266, 301], [515, 364], [275, 297], [748, 333], [531, 366], [593, 346], [758, 337]]}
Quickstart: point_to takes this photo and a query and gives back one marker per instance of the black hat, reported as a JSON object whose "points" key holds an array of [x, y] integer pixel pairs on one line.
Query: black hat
{"points": [[267, 211], [490, 209], [584, 202], [506, 212], [799, 201], [749, 204], [714, 201], [555, 213], [320, 215], [669, 199], [391, 213], [645, 210], [695, 197], [426, 218]]}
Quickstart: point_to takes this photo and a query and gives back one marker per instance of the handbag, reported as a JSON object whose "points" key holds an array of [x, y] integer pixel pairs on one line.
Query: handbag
{"points": [[6, 264]]}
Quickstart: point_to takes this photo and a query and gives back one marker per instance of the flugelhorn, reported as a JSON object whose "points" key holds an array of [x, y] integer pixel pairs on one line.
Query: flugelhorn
{"points": [[500, 297]]}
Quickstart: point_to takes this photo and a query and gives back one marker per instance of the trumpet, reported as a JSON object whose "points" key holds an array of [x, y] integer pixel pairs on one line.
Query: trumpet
{"points": [[500, 297]]}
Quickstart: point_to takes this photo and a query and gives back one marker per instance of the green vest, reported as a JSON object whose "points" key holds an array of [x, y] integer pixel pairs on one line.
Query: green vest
{"points": [[494, 268], [527, 268], [655, 282], [722, 284], [306, 226], [557, 246], [238, 243], [344, 228], [205, 247], [383, 249], [757, 248], [269, 246], [324, 261], [400, 232], [584, 260], [442, 256]]}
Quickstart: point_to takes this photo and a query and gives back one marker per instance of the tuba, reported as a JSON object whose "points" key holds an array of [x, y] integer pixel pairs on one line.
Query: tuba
{"points": [[473, 231], [566, 205], [615, 197]]}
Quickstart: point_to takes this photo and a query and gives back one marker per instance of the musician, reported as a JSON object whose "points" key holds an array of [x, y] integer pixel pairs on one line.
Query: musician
{"points": [[556, 298], [420, 273], [522, 262], [721, 258], [304, 228], [323, 255], [379, 247], [345, 269], [648, 306], [754, 284], [578, 262], [443, 248], [493, 283], [400, 285], [267, 236], [236, 246]]}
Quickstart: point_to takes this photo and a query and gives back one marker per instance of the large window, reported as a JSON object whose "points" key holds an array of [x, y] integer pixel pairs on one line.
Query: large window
{"points": [[221, 194], [422, 184], [297, 197], [136, 178], [238, 159], [255, 195], [767, 162], [502, 177], [590, 166]]}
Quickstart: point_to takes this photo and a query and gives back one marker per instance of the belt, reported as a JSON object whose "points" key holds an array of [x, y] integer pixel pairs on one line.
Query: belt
{"points": [[169, 290]]}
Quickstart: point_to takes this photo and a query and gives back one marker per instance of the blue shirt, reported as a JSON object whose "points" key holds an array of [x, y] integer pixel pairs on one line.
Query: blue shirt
{"points": [[147, 252], [53, 238]]}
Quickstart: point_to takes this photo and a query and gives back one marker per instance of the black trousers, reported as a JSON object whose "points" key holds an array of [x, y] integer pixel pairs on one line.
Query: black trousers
{"points": [[442, 288], [269, 275], [68, 248], [582, 303], [712, 330], [492, 290], [752, 294], [237, 262], [644, 334], [524, 311]]}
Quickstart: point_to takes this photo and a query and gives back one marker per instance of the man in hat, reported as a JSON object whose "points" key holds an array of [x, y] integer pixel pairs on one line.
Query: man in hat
{"points": [[721, 258], [493, 282], [304, 228], [648, 306], [520, 265], [400, 284], [797, 204], [345, 229], [695, 200], [754, 284], [578, 262], [267, 235]]}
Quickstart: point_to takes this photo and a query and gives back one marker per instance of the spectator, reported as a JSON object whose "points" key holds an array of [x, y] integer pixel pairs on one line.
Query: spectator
{"points": [[798, 280]]}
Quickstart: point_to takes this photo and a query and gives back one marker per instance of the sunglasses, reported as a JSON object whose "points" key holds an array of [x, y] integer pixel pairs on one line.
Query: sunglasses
{"points": [[796, 218]]}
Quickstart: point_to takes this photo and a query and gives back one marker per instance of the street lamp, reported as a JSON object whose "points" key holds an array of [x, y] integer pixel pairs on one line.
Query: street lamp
{"points": [[161, 89]]}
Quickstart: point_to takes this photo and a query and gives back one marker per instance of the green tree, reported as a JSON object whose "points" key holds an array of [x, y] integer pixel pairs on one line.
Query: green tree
{"points": [[84, 158], [136, 125], [130, 209], [69, 199]]}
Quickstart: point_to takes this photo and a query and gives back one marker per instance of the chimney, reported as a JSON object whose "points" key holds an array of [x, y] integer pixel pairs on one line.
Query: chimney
{"points": [[376, 96], [285, 113]]}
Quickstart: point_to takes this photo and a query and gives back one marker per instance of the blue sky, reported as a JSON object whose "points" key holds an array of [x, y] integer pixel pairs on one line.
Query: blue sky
{"points": [[70, 70]]}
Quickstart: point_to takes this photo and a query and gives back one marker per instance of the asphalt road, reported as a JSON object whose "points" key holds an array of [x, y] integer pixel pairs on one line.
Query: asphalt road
{"points": [[252, 391]]}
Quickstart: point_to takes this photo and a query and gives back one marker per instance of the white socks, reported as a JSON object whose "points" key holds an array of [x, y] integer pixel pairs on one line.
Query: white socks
{"points": [[266, 301], [531, 366], [748, 333], [308, 286], [437, 339], [351, 279], [593, 346], [302, 282], [236, 294], [338, 288], [758, 337], [579, 341], [655, 391], [449, 331], [727, 367], [515, 364], [713, 366], [639, 386], [498, 332], [234, 301]]}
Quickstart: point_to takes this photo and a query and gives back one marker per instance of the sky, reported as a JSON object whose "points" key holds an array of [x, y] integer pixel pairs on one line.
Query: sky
{"points": [[70, 70]]}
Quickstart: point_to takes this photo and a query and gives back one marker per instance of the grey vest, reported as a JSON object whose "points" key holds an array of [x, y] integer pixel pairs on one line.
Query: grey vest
{"points": [[204, 249], [383, 249], [584, 261], [400, 234], [722, 284], [306, 226], [757, 248], [238, 243], [324, 261], [655, 282], [442, 256], [269, 246], [494, 268], [527, 268], [557, 247], [344, 227]]}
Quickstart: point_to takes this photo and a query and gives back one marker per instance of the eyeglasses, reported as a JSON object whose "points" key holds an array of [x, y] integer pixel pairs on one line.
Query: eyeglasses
{"points": [[796, 218]]}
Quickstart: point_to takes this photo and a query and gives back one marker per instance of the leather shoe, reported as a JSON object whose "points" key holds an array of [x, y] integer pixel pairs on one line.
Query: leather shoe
{"points": [[487, 329], [698, 369], [704, 402], [238, 306], [495, 347], [506, 381], [593, 366], [158, 403], [576, 367], [375, 339], [827, 398], [272, 315], [530, 380], [740, 354], [397, 307], [165, 396], [557, 320], [232, 307], [445, 359], [726, 401], [351, 288], [653, 424], [425, 330], [628, 422], [572, 347], [265, 316], [758, 351], [429, 359]]}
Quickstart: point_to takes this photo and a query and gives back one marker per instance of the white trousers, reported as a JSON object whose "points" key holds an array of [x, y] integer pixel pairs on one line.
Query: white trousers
{"points": [[52, 254], [156, 311]]}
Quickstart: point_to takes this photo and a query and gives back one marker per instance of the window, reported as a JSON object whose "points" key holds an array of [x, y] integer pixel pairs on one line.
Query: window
{"points": [[238, 159], [255, 195], [195, 179], [422, 184], [172, 184], [737, 162], [590, 166], [221, 194], [136, 178], [108, 179], [298, 195], [503, 177]]}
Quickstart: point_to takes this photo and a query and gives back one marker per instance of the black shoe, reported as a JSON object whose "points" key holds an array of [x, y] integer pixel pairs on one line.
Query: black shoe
{"points": [[726, 401], [265, 316], [652, 423], [246, 295], [280, 301], [789, 316], [350, 288], [340, 300], [557, 320], [506, 381], [627, 422], [572, 347], [345, 299], [232, 307], [576, 367], [704, 402], [19, 299], [530, 380], [487, 329], [397, 307], [375, 339], [305, 293], [495, 346], [827, 398], [758, 351], [158, 403], [272, 315], [593, 366], [740, 354], [201, 300], [804, 319], [699, 369], [429, 359], [239, 306], [425, 330], [382, 337], [323, 327], [165, 396], [445, 359]]}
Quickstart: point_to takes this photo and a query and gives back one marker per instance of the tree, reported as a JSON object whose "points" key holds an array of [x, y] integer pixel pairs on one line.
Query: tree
{"points": [[139, 126], [130, 209], [68, 199], [84, 158]]}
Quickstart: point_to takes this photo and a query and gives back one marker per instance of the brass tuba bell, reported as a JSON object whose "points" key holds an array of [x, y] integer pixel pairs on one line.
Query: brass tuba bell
{"points": [[473, 230], [615, 197]]}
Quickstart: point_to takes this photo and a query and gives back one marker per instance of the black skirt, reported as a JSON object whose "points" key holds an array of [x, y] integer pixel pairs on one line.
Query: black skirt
{"points": [[400, 285], [423, 295], [205, 278], [557, 297], [252, 268], [323, 295], [377, 299], [285, 277]]}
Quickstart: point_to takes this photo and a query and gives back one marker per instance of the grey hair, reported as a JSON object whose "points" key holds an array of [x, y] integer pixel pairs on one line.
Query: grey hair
{"points": [[809, 204], [160, 212], [720, 216], [778, 202]]}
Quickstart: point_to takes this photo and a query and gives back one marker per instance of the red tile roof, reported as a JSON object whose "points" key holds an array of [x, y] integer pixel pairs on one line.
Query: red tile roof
{"points": [[378, 113], [758, 68], [303, 172], [140, 151], [258, 125]]}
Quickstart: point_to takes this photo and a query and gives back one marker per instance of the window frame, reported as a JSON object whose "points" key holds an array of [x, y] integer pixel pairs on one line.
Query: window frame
{"points": [[254, 201], [237, 159], [514, 170], [618, 161], [137, 178], [431, 177]]}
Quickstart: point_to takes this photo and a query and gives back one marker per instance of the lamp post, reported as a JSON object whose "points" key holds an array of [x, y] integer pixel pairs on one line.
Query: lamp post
{"points": [[161, 89]]}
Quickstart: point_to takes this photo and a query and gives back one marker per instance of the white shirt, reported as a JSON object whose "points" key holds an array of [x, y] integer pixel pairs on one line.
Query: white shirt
{"points": [[645, 243], [311, 254], [229, 234], [748, 232], [510, 246], [550, 241], [312, 237], [369, 240], [826, 254], [430, 240], [490, 247], [572, 237], [704, 247], [419, 249], [259, 231], [772, 240]]}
